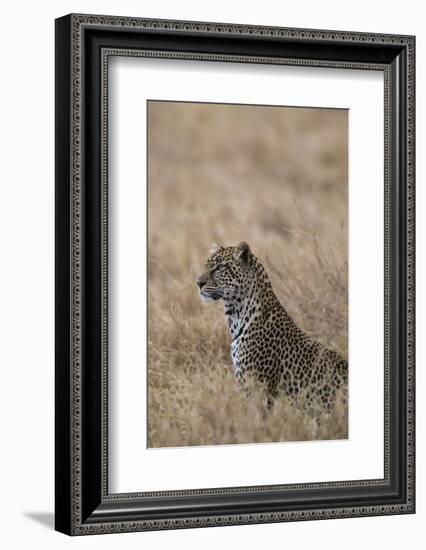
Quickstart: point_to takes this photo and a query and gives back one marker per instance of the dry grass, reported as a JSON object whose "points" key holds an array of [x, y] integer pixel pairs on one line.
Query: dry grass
{"points": [[276, 178]]}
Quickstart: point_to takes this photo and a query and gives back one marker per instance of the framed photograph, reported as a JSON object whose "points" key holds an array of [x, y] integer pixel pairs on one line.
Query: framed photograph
{"points": [[234, 274]]}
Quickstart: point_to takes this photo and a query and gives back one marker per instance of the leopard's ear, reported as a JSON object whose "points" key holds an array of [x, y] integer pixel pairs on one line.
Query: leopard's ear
{"points": [[215, 248], [242, 253]]}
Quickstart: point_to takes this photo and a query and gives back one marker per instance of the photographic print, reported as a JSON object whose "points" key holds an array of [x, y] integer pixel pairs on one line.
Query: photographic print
{"points": [[205, 237], [202, 299], [247, 274]]}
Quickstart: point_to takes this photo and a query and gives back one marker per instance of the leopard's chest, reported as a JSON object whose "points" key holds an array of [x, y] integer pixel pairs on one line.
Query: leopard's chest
{"points": [[256, 329], [246, 346], [239, 358]]}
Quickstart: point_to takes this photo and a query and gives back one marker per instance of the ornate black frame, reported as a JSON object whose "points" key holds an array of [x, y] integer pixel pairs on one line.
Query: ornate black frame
{"points": [[83, 46]]}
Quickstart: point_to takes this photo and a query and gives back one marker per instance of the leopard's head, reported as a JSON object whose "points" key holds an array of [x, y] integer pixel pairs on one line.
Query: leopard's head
{"points": [[224, 272]]}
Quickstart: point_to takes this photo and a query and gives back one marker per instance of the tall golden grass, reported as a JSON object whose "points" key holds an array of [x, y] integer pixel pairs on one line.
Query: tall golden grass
{"points": [[276, 178]]}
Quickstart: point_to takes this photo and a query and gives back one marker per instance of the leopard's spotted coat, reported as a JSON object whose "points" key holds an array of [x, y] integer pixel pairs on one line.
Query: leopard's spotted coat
{"points": [[266, 342]]}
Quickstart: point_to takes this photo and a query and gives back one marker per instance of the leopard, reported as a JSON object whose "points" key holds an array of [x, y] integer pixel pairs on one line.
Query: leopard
{"points": [[266, 344]]}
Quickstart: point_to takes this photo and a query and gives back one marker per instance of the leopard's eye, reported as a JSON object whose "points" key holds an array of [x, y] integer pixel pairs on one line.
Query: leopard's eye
{"points": [[220, 268]]}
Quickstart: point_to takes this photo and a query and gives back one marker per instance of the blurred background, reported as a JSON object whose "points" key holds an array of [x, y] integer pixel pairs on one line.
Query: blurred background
{"points": [[275, 177]]}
